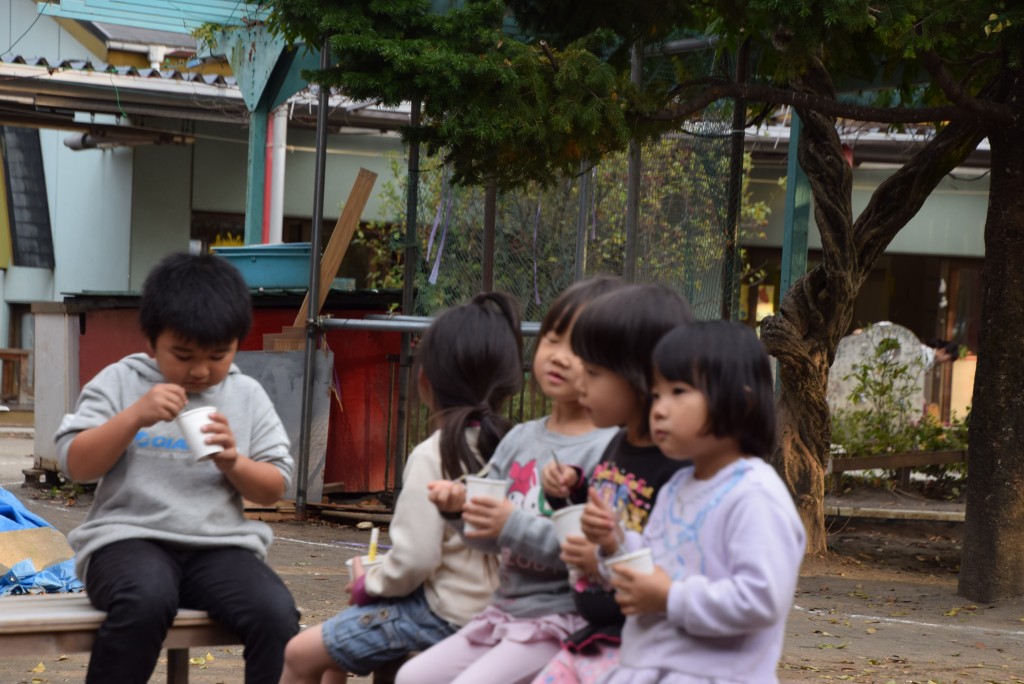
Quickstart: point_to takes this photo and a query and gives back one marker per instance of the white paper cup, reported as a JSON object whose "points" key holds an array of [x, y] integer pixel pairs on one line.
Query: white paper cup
{"points": [[190, 423], [642, 561], [367, 563], [567, 521], [482, 487]]}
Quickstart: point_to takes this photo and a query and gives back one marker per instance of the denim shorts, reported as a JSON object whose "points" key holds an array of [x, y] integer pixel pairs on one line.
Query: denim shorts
{"points": [[362, 638]]}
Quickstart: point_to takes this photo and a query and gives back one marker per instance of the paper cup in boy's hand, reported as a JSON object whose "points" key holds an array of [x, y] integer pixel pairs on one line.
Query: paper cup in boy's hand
{"points": [[191, 423], [483, 487], [641, 561], [567, 521]]}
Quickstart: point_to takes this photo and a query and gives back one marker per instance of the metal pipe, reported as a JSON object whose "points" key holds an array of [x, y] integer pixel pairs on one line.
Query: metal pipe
{"points": [[490, 218], [277, 174], [312, 312], [408, 286], [408, 324], [581, 222], [677, 47], [633, 176], [731, 257]]}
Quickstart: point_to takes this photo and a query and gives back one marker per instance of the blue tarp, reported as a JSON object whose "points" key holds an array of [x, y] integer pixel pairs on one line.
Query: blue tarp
{"points": [[23, 577]]}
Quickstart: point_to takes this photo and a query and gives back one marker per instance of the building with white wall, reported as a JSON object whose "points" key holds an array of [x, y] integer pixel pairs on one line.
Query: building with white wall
{"points": [[130, 154]]}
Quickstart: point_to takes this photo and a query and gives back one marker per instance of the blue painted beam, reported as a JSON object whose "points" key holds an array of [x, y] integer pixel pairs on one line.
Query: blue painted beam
{"points": [[255, 181], [796, 222], [253, 54]]}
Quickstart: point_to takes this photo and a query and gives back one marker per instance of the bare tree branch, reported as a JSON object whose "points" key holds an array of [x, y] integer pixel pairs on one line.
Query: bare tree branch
{"points": [[955, 92], [901, 195], [828, 106], [547, 53]]}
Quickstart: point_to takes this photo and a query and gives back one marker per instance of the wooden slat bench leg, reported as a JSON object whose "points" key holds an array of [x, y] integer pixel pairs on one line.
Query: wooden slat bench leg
{"points": [[177, 666]]}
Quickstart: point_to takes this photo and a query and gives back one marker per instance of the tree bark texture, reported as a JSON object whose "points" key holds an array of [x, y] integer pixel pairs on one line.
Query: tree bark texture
{"points": [[992, 565], [817, 310]]}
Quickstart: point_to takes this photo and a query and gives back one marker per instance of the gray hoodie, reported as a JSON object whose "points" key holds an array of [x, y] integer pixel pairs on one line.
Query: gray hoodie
{"points": [[155, 490], [533, 580]]}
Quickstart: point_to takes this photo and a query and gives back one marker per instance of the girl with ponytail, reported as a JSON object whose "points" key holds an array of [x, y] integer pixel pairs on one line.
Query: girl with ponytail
{"points": [[468, 363]]}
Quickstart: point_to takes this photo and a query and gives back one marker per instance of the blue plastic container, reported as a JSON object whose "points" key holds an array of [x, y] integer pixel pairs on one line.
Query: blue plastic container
{"points": [[283, 266]]}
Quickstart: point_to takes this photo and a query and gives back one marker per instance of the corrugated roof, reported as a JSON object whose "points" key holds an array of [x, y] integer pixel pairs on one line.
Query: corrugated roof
{"points": [[42, 92], [141, 36], [102, 67]]}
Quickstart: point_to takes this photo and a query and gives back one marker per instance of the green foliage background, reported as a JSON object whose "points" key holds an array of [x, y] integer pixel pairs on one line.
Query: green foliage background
{"points": [[681, 236]]}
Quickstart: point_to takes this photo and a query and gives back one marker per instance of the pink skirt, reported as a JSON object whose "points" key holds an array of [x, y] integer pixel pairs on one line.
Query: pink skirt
{"points": [[494, 625]]}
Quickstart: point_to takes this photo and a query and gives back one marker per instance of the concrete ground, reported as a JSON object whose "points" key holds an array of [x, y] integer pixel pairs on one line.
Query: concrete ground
{"points": [[880, 608], [16, 453]]}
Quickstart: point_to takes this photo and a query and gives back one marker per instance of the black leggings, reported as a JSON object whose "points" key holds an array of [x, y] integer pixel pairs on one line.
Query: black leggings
{"points": [[141, 583]]}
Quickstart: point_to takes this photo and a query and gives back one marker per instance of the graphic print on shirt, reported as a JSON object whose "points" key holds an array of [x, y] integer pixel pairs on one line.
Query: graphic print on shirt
{"points": [[527, 495], [525, 491], [157, 445], [679, 543], [630, 496]]}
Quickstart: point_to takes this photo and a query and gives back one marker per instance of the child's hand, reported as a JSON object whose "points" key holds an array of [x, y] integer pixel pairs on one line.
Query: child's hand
{"points": [[218, 431], [638, 593], [355, 588], [600, 525], [487, 516], [163, 402], [357, 569], [579, 553], [558, 480], [448, 496]]}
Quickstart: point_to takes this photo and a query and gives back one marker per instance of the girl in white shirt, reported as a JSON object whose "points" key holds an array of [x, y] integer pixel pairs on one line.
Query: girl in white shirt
{"points": [[468, 363], [724, 533]]}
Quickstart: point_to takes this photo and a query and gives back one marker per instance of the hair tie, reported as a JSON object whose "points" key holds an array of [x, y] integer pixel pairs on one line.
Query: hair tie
{"points": [[484, 410]]}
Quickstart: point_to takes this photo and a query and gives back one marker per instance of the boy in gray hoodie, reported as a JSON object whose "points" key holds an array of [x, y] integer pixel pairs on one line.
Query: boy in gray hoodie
{"points": [[164, 530]]}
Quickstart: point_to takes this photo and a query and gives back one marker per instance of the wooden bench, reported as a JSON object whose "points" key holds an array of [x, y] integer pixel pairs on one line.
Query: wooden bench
{"points": [[67, 623], [903, 463]]}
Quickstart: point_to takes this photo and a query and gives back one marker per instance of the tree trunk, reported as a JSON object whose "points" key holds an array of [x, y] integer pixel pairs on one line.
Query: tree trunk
{"points": [[802, 412], [992, 565], [817, 311]]}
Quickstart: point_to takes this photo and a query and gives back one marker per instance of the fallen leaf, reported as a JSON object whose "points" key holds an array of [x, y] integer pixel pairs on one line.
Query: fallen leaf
{"points": [[209, 657], [38, 668], [870, 630]]}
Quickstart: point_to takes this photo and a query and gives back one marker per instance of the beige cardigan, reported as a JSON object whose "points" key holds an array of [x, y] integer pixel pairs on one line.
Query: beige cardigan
{"points": [[458, 581]]}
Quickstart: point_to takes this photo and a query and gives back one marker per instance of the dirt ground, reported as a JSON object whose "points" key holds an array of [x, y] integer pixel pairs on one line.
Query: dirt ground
{"points": [[880, 607]]}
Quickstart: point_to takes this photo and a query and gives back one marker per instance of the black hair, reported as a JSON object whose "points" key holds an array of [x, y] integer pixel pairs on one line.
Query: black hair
{"points": [[729, 365], [572, 299], [471, 356], [618, 331], [200, 297], [951, 348]]}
